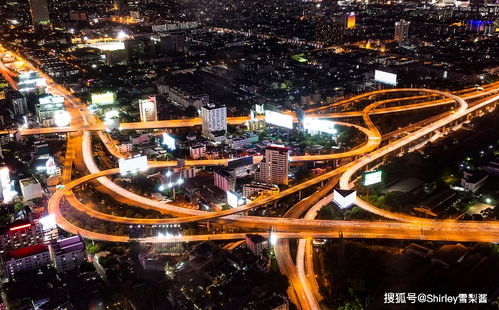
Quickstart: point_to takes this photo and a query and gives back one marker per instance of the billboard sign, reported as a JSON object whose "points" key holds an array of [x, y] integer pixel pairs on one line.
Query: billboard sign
{"points": [[234, 199], [385, 77], [169, 141], [319, 125], [133, 164], [371, 177], [344, 198], [279, 119], [103, 98], [259, 108]]}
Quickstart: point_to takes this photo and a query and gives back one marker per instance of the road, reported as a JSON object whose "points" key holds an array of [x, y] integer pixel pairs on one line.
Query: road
{"points": [[79, 154]]}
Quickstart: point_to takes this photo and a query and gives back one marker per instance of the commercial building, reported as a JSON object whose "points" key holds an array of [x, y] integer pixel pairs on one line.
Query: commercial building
{"points": [[39, 12], [67, 254], [47, 107], [349, 20], [28, 258], [214, 121], [20, 235], [18, 102], [275, 166], [30, 189], [148, 109], [401, 30]]}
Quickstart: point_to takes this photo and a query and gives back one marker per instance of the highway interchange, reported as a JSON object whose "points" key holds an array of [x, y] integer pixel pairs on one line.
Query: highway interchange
{"points": [[303, 289]]}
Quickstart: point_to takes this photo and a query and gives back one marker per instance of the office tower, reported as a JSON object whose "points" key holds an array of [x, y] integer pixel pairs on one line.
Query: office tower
{"points": [[401, 30], [275, 166], [18, 102], [148, 109], [214, 121], [39, 12], [349, 20]]}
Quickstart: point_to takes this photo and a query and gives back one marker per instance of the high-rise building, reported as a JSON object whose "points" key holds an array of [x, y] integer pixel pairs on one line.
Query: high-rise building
{"points": [[401, 30], [48, 107], [18, 102], [349, 20], [20, 235], [275, 166], [39, 12], [330, 32], [214, 121], [148, 109], [67, 254]]}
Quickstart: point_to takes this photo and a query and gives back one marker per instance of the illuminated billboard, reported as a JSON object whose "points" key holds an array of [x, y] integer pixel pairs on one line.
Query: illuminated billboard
{"points": [[104, 98], [169, 141], [385, 77], [62, 118], [234, 199], [8, 192], [279, 119], [48, 222], [319, 125], [133, 164], [344, 198], [372, 177], [259, 108], [51, 99]]}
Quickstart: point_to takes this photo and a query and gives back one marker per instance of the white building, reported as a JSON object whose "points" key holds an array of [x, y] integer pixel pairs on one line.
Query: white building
{"points": [[67, 254], [197, 151], [275, 166], [148, 109], [31, 188], [214, 121], [28, 258], [473, 180]]}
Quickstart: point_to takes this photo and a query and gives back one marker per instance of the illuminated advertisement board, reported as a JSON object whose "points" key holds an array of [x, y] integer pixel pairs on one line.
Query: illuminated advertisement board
{"points": [[344, 198], [319, 125], [62, 118], [51, 99], [385, 77], [6, 185], [133, 164], [234, 199], [48, 222], [169, 141], [372, 177], [279, 119], [259, 109], [104, 98]]}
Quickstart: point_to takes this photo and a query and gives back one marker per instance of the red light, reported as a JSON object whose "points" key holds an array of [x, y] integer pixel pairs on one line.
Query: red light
{"points": [[19, 227]]}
